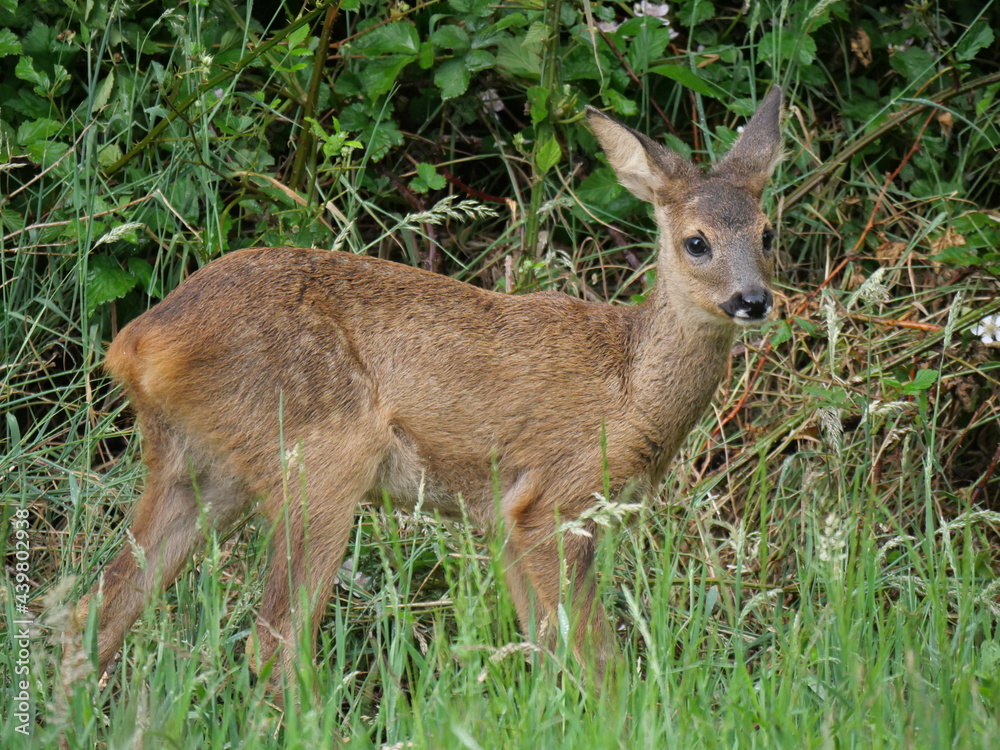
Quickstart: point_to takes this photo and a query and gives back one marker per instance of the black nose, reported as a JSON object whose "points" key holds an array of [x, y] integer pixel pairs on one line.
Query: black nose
{"points": [[747, 307]]}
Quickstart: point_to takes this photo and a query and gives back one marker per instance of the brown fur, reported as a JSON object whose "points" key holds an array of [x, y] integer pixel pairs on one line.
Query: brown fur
{"points": [[375, 376]]}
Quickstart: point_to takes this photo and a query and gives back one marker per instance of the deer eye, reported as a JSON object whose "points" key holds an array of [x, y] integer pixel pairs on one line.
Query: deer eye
{"points": [[767, 238], [697, 247]]}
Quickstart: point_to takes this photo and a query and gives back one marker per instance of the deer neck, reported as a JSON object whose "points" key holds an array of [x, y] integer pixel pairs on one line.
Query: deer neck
{"points": [[681, 356]]}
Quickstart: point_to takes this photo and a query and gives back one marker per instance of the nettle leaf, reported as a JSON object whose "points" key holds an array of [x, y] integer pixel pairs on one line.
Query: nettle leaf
{"points": [[9, 43], [452, 77], [451, 37], [400, 37], [977, 37], [106, 280]]}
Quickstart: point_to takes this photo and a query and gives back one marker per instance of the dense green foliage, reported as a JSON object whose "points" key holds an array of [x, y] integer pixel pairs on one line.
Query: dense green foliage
{"points": [[822, 567]]}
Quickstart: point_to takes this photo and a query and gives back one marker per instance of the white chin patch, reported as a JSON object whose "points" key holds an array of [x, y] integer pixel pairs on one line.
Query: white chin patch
{"points": [[742, 317]]}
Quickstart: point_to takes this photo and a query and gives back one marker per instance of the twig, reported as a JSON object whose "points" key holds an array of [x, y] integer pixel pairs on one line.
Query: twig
{"points": [[895, 322], [305, 148], [987, 476]]}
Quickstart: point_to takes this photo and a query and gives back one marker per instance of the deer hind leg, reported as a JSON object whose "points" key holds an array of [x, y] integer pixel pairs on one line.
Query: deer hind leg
{"points": [[311, 515], [546, 566], [184, 485]]}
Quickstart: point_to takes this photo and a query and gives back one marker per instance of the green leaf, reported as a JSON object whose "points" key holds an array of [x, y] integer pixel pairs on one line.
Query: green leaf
{"points": [[690, 80], [104, 92], [25, 70], [977, 37], [539, 98], [602, 194], [143, 272], [514, 19], [957, 256], [379, 75], [517, 60], [9, 43], [108, 155], [548, 155], [781, 332], [620, 103], [537, 33], [348, 84], [452, 77], [479, 59], [913, 63], [39, 130], [296, 37], [694, 12], [380, 137], [106, 280], [400, 37], [451, 37], [427, 179], [426, 61], [923, 380], [781, 44], [472, 7]]}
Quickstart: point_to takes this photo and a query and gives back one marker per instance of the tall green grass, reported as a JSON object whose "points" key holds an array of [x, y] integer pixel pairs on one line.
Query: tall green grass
{"points": [[821, 566]]}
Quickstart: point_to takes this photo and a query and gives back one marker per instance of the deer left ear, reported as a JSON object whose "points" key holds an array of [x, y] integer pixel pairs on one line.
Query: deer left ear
{"points": [[752, 159], [641, 164]]}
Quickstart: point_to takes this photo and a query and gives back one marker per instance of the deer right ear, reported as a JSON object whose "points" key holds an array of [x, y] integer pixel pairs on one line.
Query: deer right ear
{"points": [[642, 165], [751, 161]]}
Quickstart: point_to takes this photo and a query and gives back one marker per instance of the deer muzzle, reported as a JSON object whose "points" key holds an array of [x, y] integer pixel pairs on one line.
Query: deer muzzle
{"points": [[749, 307]]}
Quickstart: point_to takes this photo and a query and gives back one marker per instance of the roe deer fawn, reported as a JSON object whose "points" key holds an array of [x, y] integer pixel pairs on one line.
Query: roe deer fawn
{"points": [[380, 377]]}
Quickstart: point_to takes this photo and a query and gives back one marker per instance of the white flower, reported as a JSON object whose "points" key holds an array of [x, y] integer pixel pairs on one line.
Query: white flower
{"points": [[988, 330], [651, 9], [491, 101], [608, 27]]}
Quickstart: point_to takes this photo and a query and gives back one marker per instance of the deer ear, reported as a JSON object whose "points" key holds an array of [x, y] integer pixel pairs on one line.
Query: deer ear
{"points": [[642, 165], [752, 159]]}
